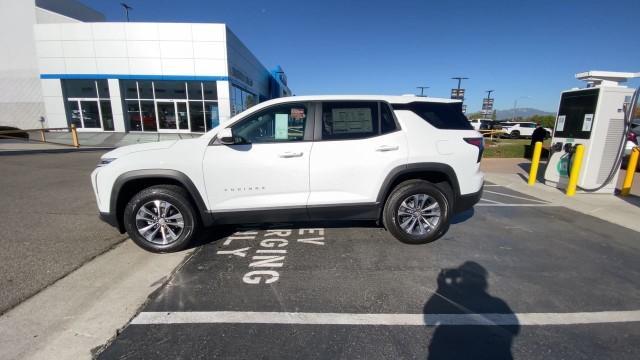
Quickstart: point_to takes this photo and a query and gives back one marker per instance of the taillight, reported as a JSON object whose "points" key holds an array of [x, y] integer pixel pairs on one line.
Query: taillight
{"points": [[632, 137], [479, 142]]}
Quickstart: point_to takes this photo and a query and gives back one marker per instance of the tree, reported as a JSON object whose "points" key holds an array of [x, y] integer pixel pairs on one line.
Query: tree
{"points": [[548, 121]]}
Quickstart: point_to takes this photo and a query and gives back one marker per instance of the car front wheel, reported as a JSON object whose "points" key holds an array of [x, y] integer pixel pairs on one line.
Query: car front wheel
{"points": [[417, 212], [515, 134], [161, 218]]}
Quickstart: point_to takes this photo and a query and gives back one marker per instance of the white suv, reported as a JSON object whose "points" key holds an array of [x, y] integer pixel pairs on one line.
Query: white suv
{"points": [[517, 130], [408, 162]]}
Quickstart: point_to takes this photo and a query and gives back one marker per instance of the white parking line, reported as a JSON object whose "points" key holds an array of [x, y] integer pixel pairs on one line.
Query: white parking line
{"points": [[514, 196], [492, 201], [518, 205], [239, 317]]}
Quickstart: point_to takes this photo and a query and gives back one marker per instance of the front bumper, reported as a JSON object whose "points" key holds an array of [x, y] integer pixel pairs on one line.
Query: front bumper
{"points": [[109, 218]]}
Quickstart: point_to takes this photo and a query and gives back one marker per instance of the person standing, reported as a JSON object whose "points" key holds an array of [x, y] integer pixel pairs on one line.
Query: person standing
{"points": [[539, 134]]}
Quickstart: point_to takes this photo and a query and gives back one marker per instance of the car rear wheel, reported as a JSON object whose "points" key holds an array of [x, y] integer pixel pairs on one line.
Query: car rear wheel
{"points": [[417, 212], [161, 218], [515, 134]]}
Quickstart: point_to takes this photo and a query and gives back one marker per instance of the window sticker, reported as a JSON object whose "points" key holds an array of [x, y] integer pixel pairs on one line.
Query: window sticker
{"points": [[297, 113], [282, 127], [560, 123], [588, 121], [352, 120]]}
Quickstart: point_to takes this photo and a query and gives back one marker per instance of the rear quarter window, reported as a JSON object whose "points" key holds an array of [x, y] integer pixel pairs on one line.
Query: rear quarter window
{"points": [[447, 116]]}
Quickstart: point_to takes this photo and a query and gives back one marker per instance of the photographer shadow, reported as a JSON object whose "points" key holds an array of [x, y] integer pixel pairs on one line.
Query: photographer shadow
{"points": [[457, 308]]}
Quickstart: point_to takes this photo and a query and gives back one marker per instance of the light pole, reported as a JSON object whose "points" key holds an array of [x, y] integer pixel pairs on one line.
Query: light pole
{"points": [[459, 78], [422, 89], [488, 102], [126, 10], [515, 106]]}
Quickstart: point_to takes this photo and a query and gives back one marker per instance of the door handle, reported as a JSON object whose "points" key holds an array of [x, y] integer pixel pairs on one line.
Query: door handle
{"points": [[290, 154], [387, 148]]}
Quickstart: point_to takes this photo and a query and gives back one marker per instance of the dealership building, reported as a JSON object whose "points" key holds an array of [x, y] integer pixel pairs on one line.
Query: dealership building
{"points": [[139, 77]]}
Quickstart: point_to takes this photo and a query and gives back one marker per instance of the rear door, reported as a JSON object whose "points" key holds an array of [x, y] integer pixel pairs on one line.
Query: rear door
{"points": [[356, 144]]}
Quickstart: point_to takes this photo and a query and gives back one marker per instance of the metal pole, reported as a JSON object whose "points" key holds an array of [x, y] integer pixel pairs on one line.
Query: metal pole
{"points": [[631, 170], [422, 89], [126, 10], [576, 164], [535, 161]]}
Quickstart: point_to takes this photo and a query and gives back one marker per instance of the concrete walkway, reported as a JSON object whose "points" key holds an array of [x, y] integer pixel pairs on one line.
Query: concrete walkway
{"points": [[85, 309], [623, 211]]}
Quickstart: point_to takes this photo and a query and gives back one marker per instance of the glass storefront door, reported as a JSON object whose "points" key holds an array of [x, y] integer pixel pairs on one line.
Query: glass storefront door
{"points": [[172, 115], [86, 114], [170, 106]]}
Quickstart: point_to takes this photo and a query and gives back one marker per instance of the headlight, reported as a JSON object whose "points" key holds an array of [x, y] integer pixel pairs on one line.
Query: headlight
{"points": [[105, 161]]}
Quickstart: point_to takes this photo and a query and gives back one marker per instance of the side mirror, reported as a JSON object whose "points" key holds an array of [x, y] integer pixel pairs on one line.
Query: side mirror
{"points": [[225, 136]]}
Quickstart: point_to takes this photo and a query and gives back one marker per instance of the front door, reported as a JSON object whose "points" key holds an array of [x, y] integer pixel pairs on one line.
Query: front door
{"points": [[173, 116], [267, 168]]}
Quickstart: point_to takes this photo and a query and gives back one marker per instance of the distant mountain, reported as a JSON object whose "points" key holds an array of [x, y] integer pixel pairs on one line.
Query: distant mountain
{"points": [[520, 112]]}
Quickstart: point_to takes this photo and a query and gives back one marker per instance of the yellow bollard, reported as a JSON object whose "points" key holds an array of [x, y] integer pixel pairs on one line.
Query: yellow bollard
{"points": [[42, 138], [74, 136], [576, 164], [535, 161], [631, 170]]}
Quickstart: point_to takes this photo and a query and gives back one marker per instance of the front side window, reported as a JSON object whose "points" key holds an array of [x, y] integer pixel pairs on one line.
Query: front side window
{"points": [[280, 123], [342, 120]]}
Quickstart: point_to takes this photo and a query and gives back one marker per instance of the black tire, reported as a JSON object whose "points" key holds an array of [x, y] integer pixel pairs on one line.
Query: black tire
{"points": [[515, 134], [440, 193], [178, 198]]}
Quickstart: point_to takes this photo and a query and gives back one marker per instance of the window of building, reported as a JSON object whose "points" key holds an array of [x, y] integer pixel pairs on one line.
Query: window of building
{"points": [[241, 100], [170, 105], [276, 124], [88, 104], [349, 120]]}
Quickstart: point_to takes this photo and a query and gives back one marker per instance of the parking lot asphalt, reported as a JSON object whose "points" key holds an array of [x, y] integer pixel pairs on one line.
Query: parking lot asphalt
{"points": [[515, 277], [49, 221]]}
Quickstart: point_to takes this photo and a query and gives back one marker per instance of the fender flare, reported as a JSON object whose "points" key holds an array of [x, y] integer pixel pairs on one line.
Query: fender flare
{"points": [[407, 169], [173, 175]]}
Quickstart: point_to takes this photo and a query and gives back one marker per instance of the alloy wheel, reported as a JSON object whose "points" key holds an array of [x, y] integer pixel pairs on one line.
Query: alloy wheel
{"points": [[418, 214], [159, 222]]}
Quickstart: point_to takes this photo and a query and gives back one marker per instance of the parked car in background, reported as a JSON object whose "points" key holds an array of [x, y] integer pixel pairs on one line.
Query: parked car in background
{"points": [[481, 124], [521, 129], [14, 134]]}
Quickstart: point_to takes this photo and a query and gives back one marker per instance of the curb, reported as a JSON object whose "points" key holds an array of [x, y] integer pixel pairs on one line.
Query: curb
{"points": [[52, 151]]}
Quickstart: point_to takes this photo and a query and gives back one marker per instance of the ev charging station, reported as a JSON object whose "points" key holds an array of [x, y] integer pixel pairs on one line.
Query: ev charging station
{"points": [[596, 117]]}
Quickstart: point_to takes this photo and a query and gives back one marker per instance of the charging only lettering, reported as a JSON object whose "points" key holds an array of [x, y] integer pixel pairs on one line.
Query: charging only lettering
{"points": [[268, 251]]}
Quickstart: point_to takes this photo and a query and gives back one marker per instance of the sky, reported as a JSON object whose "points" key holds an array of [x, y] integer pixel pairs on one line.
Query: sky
{"points": [[527, 51]]}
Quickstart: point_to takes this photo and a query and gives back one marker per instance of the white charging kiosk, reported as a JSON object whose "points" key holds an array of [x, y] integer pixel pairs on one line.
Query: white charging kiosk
{"points": [[594, 117]]}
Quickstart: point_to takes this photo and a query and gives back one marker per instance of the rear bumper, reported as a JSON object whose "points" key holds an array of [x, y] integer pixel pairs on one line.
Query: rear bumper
{"points": [[466, 201]]}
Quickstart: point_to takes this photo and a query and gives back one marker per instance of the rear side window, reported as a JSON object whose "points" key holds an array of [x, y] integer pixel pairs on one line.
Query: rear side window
{"points": [[349, 120], [387, 122], [441, 115]]}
